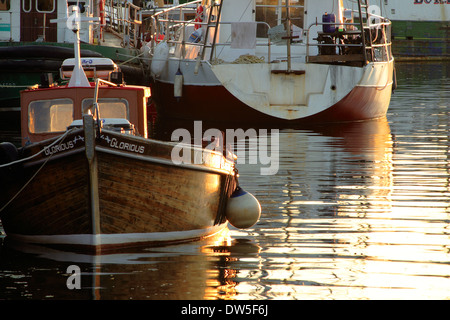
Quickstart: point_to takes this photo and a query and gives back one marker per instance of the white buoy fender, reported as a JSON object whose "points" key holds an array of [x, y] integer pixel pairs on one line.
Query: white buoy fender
{"points": [[243, 209], [178, 85], [160, 58]]}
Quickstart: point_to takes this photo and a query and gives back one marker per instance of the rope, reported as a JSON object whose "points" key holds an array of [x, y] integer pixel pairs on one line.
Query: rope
{"points": [[243, 59], [36, 154], [131, 59], [60, 140], [248, 58]]}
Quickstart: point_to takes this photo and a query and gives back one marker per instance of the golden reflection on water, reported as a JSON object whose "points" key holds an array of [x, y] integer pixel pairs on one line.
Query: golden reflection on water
{"points": [[360, 219], [355, 212]]}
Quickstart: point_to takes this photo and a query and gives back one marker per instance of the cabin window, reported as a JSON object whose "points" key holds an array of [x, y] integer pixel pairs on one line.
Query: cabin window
{"points": [[273, 12], [26, 5], [45, 5], [46, 116], [108, 107], [5, 5]]}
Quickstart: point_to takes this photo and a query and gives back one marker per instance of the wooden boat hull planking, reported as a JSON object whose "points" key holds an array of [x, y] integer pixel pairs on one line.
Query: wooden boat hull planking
{"points": [[140, 200]]}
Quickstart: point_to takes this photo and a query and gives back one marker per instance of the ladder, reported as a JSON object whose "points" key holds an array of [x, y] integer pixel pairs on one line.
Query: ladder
{"points": [[213, 21], [364, 4]]}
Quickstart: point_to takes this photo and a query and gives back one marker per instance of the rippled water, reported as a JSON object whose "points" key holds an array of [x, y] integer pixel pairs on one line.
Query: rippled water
{"points": [[356, 211]]}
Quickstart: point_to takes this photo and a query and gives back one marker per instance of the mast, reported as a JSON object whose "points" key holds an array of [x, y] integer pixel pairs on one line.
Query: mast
{"points": [[289, 35], [78, 78]]}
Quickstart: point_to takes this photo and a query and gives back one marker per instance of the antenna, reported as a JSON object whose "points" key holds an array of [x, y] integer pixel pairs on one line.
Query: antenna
{"points": [[78, 78]]}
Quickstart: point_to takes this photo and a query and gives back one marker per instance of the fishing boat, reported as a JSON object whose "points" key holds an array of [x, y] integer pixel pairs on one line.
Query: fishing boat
{"points": [[31, 44], [89, 177], [272, 63]]}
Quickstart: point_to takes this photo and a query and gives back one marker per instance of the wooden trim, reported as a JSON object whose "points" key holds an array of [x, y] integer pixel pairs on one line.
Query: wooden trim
{"points": [[89, 142]]}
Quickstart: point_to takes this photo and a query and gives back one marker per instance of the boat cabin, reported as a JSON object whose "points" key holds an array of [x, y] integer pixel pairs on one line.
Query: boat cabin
{"points": [[29, 20], [47, 112]]}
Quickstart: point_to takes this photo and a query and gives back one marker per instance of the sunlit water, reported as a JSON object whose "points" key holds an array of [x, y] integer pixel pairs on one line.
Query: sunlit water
{"points": [[356, 211]]}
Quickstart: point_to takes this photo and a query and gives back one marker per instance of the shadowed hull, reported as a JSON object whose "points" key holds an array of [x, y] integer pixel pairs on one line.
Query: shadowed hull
{"points": [[141, 199], [218, 105]]}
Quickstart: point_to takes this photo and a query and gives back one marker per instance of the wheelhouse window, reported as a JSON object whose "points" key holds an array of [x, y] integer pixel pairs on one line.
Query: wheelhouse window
{"points": [[108, 107], [5, 5], [48, 116], [273, 12], [45, 5]]}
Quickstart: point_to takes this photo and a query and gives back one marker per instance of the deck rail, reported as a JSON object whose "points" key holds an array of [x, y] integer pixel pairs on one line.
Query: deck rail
{"points": [[352, 43], [174, 31], [125, 21], [344, 46]]}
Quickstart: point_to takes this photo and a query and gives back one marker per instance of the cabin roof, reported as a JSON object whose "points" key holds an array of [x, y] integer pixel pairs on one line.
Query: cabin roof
{"points": [[64, 87]]}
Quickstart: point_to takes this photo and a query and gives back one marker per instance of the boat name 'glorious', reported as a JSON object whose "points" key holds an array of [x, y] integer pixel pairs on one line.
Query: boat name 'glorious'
{"points": [[59, 148], [126, 146]]}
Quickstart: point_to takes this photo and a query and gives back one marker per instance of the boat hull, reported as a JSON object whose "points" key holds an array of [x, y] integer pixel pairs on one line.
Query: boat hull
{"points": [[367, 100], [121, 198]]}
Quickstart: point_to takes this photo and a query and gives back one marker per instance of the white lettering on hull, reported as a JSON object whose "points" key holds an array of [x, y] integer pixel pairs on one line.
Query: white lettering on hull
{"points": [[114, 143]]}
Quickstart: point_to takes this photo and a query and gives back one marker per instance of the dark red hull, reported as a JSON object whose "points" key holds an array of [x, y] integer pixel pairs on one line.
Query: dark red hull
{"points": [[216, 104]]}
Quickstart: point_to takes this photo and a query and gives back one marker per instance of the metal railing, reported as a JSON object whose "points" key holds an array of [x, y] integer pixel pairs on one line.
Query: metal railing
{"points": [[124, 20], [367, 42], [173, 31], [350, 45], [163, 25]]}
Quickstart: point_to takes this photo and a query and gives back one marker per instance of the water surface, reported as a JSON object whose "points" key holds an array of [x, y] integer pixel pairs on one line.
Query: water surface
{"points": [[356, 211]]}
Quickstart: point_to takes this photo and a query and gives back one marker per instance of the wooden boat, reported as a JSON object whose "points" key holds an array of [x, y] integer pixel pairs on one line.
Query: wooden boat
{"points": [[256, 62], [89, 176]]}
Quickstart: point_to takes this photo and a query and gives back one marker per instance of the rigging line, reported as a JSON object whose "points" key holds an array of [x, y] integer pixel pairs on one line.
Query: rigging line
{"points": [[26, 184], [131, 59], [36, 154], [37, 171]]}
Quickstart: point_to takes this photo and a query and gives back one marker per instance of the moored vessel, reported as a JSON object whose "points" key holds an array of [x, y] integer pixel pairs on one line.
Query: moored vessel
{"points": [[89, 177], [285, 64]]}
